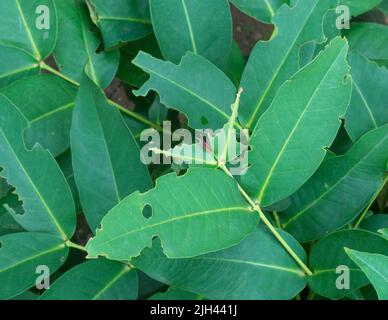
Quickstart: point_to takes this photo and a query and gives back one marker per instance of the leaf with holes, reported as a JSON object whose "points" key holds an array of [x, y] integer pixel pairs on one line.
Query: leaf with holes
{"points": [[39, 182], [217, 212], [289, 141]]}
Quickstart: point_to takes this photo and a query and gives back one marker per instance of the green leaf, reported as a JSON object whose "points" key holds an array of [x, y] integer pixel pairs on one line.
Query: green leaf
{"points": [[75, 27], [205, 28], [7, 223], [370, 39], [19, 64], [37, 178], [340, 189], [358, 7], [29, 25], [236, 64], [213, 213], [328, 257], [375, 266], [175, 294], [289, 141], [46, 104], [375, 222], [126, 20], [95, 280], [256, 268], [273, 62], [20, 255], [195, 87], [105, 155], [384, 232], [263, 10]]}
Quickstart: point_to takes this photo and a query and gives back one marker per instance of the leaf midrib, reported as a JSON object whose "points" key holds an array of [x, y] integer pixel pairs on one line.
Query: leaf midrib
{"points": [[38, 255], [366, 104], [255, 264], [111, 282], [191, 33], [62, 233], [174, 219], [282, 150], [214, 107], [277, 71]]}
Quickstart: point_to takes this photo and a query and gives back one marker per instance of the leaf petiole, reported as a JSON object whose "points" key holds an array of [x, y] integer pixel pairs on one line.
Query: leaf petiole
{"points": [[75, 246], [273, 230], [130, 113]]}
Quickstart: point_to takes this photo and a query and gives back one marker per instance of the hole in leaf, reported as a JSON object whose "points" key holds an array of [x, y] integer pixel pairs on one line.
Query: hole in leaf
{"points": [[204, 121], [147, 211]]}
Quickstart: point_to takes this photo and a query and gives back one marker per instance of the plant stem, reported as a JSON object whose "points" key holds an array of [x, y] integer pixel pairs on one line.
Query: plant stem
{"points": [[364, 213], [130, 113], [273, 230], [311, 295], [75, 246], [277, 220]]}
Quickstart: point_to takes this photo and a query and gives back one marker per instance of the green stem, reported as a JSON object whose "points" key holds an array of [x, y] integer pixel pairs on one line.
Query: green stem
{"points": [[269, 225], [75, 246], [130, 113], [311, 295], [277, 220], [364, 213]]}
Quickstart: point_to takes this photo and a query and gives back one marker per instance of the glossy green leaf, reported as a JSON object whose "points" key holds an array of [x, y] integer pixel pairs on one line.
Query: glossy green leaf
{"points": [[214, 214], [368, 107], [263, 10], [375, 222], [358, 7], [21, 254], [46, 102], [201, 27], [375, 266], [235, 65], [369, 39], [273, 62], [340, 189], [95, 280], [195, 87], [29, 25], [75, 28], [289, 141], [8, 198], [106, 158], [175, 294], [329, 260], [19, 64], [37, 178], [123, 21], [256, 268]]}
